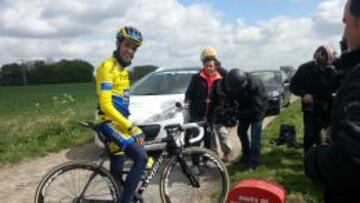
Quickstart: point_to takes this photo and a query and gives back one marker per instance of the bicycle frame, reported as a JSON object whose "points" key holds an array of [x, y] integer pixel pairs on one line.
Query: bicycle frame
{"points": [[171, 148], [154, 169]]}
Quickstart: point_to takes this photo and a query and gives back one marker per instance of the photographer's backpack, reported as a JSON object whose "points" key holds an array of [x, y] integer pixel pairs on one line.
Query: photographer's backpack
{"points": [[287, 136]]}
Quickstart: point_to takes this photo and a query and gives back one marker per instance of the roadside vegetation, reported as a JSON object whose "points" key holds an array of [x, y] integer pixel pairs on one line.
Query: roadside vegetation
{"points": [[280, 163], [39, 119]]}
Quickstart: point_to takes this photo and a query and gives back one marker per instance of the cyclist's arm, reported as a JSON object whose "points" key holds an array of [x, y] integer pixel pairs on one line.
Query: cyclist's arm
{"points": [[104, 82]]}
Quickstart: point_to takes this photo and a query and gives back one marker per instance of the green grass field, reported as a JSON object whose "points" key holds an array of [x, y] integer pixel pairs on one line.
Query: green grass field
{"points": [[282, 164], [39, 119]]}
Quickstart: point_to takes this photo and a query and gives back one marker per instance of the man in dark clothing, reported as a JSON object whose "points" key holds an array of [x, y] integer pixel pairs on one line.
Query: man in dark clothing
{"points": [[337, 166], [249, 93], [222, 114], [197, 96], [343, 45], [315, 82]]}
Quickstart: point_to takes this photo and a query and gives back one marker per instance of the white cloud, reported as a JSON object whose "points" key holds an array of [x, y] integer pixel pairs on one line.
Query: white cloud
{"points": [[17, 21], [174, 33], [331, 11]]}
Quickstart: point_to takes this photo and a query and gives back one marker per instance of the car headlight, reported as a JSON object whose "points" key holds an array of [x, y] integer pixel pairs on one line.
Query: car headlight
{"points": [[274, 93]]}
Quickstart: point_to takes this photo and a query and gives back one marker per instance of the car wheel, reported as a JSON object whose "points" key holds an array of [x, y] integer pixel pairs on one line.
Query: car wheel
{"points": [[275, 110], [281, 104]]}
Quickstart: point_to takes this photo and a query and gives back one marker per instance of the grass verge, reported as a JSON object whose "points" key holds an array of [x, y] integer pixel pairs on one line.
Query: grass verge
{"points": [[281, 164], [35, 120]]}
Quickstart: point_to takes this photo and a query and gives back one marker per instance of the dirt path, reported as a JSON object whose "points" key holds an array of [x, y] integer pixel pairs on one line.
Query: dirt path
{"points": [[18, 182]]}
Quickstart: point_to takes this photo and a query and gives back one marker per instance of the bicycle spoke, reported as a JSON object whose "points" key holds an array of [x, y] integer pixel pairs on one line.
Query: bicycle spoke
{"points": [[208, 170], [98, 189], [62, 193], [62, 189], [68, 183]]}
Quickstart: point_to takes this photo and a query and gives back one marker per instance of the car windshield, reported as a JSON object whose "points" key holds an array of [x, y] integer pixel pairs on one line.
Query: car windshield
{"points": [[163, 82], [269, 77]]}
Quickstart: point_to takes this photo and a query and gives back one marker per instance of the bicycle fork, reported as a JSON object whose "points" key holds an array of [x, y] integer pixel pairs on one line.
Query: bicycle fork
{"points": [[187, 170], [80, 198], [99, 163]]}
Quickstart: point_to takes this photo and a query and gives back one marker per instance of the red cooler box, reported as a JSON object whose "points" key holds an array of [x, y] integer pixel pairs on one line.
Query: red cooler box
{"points": [[257, 191]]}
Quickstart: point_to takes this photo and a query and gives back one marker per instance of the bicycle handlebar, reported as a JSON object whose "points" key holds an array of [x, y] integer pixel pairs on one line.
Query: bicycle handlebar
{"points": [[195, 125], [182, 127]]}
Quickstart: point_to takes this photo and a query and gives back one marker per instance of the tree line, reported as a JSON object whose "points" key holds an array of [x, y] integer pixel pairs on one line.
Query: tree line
{"points": [[39, 72], [65, 71]]}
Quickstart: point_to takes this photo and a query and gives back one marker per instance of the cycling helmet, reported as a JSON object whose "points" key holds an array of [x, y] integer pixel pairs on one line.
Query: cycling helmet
{"points": [[324, 55], [236, 79], [207, 53], [131, 34]]}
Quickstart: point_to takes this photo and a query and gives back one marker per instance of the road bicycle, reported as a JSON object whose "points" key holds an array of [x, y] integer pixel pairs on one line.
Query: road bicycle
{"points": [[190, 174]]}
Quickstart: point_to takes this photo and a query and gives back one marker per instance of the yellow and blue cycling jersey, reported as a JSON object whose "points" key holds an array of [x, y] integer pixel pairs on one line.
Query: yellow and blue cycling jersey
{"points": [[112, 88]]}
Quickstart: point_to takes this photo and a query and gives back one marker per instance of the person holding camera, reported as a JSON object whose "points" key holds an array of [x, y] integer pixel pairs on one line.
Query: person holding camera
{"points": [[315, 82], [336, 166]]}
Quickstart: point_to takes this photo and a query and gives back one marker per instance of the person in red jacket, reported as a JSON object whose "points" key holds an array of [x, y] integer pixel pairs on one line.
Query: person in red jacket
{"points": [[197, 96]]}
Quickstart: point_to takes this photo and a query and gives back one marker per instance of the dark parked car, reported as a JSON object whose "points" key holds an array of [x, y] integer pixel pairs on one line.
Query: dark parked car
{"points": [[277, 88], [289, 71]]}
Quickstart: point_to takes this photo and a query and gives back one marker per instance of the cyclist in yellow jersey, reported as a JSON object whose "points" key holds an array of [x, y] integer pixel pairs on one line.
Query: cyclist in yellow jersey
{"points": [[112, 88]]}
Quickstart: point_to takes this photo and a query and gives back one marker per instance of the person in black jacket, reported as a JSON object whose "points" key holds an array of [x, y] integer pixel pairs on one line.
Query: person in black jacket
{"points": [[221, 114], [343, 45], [337, 166], [197, 96], [315, 82], [249, 94]]}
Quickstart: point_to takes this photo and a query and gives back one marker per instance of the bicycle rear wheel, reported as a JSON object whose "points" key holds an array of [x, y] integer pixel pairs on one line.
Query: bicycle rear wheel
{"points": [[207, 168], [77, 182]]}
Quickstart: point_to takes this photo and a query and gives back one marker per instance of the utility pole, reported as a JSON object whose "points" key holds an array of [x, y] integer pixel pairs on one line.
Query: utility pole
{"points": [[23, 66]]}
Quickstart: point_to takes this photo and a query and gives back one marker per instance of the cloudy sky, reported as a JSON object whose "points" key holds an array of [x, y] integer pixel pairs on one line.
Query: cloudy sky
{"points": [[246, 33]]}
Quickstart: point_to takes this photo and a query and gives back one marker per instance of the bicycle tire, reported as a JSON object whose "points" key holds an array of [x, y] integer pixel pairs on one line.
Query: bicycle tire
{"points": [[213, 178], [61, 176]]}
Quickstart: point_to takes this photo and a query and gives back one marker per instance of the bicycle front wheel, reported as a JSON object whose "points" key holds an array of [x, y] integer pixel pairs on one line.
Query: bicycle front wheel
{"points": [[77, 182], [208, 170]]}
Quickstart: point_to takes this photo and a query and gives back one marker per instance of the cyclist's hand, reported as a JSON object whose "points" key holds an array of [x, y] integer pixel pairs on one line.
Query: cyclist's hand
{"points": [[140, 139], [186, 105], [308, 99], [138, 134]]}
